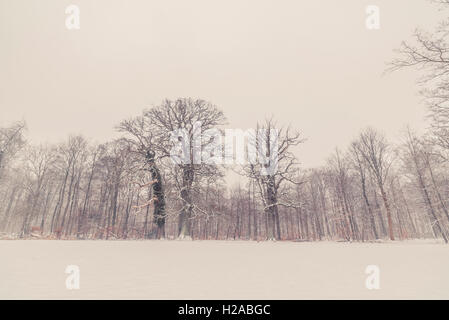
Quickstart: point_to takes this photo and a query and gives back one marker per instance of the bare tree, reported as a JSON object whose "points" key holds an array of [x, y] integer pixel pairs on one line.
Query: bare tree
{"points": [[429, 53], [361, 167], [372, 146], [39, 162], [340, 168], [11, 140], [157, 128], [416, 155], [95, 154], [275, 145]]}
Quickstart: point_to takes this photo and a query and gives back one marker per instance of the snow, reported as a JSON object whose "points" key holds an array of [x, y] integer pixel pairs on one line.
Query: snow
{"points": [[35, 269]]}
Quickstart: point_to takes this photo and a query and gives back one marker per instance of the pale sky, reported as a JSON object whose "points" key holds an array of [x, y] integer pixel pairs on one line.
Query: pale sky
{"points": [[311, 64]]}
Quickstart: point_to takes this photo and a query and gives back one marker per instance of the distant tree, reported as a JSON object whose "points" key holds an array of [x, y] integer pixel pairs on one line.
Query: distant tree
{"points": [[373, 147], [361, 166], [275, 145], [342, 182], [418, 158], [155, 130], [11, 140], [39, 161], [429, 53]]}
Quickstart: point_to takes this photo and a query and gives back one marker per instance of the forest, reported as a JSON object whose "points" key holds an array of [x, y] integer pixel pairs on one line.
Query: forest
{"points": [[129, 187], [80, 190]]}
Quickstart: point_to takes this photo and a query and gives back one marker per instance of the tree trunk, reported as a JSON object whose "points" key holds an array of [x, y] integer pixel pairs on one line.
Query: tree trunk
{"points": [[387, 208], [184, 226]]}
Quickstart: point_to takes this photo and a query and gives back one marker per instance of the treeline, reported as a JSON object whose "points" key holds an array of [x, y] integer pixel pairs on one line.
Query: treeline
{"points": [[81, 190], [372, 190]]}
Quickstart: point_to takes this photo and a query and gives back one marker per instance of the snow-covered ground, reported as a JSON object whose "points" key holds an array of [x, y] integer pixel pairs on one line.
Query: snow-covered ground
{"points": [[222, 270]]}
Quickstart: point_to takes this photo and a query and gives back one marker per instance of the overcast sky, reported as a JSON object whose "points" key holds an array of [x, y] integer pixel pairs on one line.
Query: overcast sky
{"points": [[311, 64]]}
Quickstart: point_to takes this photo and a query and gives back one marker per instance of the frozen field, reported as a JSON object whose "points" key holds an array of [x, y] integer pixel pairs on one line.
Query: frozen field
{"points": [[35, 269]]}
